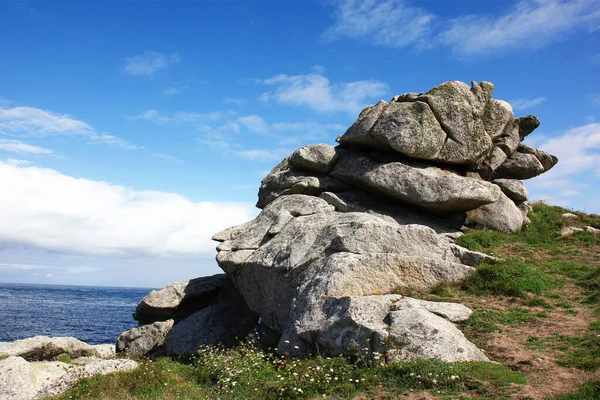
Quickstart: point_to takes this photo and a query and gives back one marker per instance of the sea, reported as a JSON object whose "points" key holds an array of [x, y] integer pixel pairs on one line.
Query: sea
{"points": [[93, 314]]}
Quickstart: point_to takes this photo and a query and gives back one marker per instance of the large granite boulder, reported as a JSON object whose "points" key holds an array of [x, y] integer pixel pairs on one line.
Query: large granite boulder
{"points": [[48, 348], [140, 341], [187, 315], [341, 226], [36, 374], [219, 324], [180, 299], [501, 216]]}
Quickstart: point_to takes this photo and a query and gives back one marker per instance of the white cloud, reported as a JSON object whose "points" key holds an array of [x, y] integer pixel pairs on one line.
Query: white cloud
{"points": [[174, 90], [530, 24], [150, 62], [316, 92], [255, 124], [166, 157], [36, 122], [178, 116], [578, 152], [30, 121], [527, 25], [113, 140], [82, 269], [392, 23], [524, 104], [16, 146], [18, 163], [264, 154], [22, 267], [58, 213], [234, 100]]}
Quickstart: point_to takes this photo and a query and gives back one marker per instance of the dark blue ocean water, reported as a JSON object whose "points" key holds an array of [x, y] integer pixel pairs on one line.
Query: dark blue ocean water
{"points": [[93, 314]]}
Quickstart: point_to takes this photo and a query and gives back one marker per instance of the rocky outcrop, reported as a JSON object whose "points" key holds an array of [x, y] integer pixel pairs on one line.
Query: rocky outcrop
{"points": [[140, 341], [31, 371], [180, 299], [46, 348], [219, 324], [380, 213], [185, 316]]}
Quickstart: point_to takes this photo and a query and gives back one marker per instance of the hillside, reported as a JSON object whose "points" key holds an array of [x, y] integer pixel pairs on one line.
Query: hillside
{"points": [[536, 314]]}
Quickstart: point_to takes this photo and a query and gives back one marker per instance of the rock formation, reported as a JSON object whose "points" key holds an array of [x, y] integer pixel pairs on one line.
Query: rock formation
{"points": [[380, 213], [184, 316], [29, 368]]}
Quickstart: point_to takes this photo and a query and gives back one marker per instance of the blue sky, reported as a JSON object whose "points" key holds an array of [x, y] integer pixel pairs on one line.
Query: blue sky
{"points": [[130, 132]]}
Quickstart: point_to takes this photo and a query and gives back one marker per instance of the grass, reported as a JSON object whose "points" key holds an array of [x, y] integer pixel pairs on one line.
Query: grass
{"points": [[65, 358], [540, 279], [589, 391], [246, 372], [3, 356]]}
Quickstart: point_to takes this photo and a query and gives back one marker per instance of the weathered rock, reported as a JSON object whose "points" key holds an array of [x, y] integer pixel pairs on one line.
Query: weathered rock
{"points": [[22, 380], [47, 348], [326, 253], [570, 215], [420, 334], [520, 166], [497, 115], [73, 375], [370, 324], [284, 179], [453, 312], [359, 132], [547, 160], [569, 230], [459, 110], [418, 184], [140, 341], [514, 189], [525, 163], [105, 350], [377, 214], [218, 324], [591, 229], [317, 158], [410, 129], [180, 299], [17, 379], [502, 216]]}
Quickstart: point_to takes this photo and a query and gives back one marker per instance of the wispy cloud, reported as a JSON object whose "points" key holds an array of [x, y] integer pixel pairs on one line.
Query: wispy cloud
{"points": [[30, 122], [16, 146], [527, 25], [166, 157], [174, 90], [255, 124], [578, 152], [530, 24], [394, 23], [524, 104], [264, 154], [97, 218], [235, 100], [177, 117], [150, 62], [317, 92], [22, 267], [34, 121]]}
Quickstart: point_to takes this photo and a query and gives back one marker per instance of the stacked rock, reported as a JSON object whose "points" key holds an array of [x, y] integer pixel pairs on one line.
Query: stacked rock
{"points": [[379, 213], [186, 315]]}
